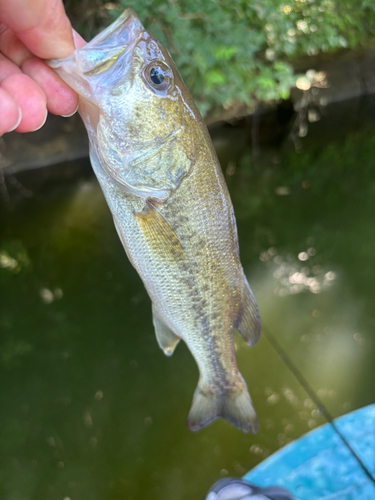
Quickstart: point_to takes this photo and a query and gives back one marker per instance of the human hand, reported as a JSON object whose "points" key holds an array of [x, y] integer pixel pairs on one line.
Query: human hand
{"points": [[30, 31]]}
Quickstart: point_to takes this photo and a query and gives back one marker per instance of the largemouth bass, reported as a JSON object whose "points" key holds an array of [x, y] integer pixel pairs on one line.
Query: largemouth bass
{"points": [[155, 162]]}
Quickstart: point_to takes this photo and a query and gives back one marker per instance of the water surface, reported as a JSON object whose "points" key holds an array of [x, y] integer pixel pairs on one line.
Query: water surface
{"points": [[91, 409]]}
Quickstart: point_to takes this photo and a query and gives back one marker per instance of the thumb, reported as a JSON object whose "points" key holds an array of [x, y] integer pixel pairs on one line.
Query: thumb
{"points": [[42, 25]]}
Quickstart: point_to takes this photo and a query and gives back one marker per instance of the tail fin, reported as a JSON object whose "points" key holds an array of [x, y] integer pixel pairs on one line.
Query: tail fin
{"points": [[234, 405]]}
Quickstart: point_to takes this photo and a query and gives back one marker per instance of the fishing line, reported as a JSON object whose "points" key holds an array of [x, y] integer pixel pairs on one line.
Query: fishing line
{"points": [[310, 391]]}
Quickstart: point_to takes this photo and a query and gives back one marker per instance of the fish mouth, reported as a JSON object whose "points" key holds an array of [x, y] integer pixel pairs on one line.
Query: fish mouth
{"points": [[100, 54]]}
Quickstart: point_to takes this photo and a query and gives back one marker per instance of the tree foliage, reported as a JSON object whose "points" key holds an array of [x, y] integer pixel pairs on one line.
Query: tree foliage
{"points": [[233, 52]]}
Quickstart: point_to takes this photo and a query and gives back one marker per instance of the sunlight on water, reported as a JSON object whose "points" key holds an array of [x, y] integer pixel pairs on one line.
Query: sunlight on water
{"points": [[293, 277]]}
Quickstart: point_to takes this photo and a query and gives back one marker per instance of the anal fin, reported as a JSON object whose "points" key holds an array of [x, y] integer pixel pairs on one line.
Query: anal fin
{"points": [[167, 340], [249, 323]]}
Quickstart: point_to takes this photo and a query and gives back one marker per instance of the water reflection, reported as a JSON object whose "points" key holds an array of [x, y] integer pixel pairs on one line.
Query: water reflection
{"points": [[292, 276], [91, 408]]}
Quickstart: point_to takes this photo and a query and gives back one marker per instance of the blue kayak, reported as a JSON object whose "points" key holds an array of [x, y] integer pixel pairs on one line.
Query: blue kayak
{"points": [[319, 466]]}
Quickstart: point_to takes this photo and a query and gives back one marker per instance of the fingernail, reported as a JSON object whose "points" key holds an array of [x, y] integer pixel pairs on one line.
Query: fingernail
{"points": [[78, 40], [74, 36], [18, 121], [71, 114], [44, 121]]}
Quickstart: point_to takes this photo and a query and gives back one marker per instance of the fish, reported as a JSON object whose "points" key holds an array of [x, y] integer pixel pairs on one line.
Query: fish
{"points": [[155, 162]]}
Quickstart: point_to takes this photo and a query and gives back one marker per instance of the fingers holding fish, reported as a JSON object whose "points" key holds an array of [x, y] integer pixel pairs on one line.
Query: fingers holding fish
{"points": [[29, 92], [60, 99], [40, 89], [32, 89]]}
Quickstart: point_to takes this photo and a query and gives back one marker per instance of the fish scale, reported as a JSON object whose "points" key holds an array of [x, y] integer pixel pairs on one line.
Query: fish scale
{"points": [[158, 170]]}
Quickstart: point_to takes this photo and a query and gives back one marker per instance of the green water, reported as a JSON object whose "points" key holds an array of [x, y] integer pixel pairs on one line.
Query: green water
{"points": [[91, 409]]}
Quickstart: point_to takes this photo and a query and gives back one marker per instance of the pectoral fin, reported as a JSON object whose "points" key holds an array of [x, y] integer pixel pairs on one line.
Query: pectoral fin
{"points": [[249, 323], [166, 338], [158, 233]]}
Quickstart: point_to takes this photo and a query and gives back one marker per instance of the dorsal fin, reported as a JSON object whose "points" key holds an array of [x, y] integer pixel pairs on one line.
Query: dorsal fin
{"points": [[249, 323]]}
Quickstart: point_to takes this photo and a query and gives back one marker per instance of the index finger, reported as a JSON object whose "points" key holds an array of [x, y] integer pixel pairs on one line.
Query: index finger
{"points": [[42, 25]]}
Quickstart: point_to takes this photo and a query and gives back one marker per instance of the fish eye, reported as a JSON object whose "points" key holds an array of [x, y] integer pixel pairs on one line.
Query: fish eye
{"points": [[158, 76]]}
